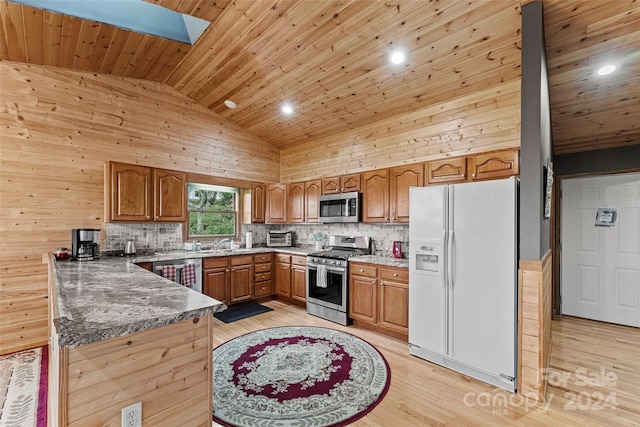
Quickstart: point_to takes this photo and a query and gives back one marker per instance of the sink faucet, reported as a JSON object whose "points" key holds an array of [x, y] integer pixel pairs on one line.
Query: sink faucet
{"points": [[217, 243]]}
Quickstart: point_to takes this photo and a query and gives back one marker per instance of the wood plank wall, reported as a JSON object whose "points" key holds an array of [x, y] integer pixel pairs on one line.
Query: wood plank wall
{"points": [[534, 326], [486, 120], [58, 128]]}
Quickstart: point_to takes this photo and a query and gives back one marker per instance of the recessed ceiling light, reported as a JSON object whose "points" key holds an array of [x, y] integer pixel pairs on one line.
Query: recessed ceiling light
{"points": [[229, 103], [607, 69], [287, 109], [397, 57]]}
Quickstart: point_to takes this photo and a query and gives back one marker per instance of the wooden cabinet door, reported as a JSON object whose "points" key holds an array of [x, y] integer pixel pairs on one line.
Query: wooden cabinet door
{"points": [[350, 182], [283, 279], [447, 171], [296, 202], [363, 298], [215, 283], [257, 203], [299, 283], [331, 185], [169, 195], [312, 191], [401, 178], [394, 306], [499, 164], [241, 283], [130, 192], [375, 196], [276, 210]]}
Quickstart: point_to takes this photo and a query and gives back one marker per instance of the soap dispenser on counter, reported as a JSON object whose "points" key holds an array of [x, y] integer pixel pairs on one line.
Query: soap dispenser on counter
{"points": [[396, 250]]}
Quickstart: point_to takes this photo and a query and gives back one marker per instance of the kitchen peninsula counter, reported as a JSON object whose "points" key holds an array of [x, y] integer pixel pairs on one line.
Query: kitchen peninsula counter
{"points": [[120, 335], [111, 297]]}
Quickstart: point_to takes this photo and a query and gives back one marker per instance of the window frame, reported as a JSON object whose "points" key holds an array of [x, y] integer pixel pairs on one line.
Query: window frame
{"points": [[236, 212]]}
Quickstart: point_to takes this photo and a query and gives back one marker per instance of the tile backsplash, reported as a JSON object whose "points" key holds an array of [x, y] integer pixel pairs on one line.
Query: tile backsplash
{"points": [[148, 236], [168, 236], [382, 235]]}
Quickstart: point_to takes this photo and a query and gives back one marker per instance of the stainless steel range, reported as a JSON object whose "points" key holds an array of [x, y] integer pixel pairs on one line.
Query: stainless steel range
{"points": [[328, 277]]}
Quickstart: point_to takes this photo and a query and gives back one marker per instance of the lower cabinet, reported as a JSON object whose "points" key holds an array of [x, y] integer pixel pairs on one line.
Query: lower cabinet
{"points": [[262, 284], [241, 278], [283, 276], [291, 278], [299, 279], [215, 278], [379, 298], [237, 278]]}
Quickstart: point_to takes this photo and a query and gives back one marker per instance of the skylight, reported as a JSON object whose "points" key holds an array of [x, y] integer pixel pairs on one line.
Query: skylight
{"points": [[135, 15]]}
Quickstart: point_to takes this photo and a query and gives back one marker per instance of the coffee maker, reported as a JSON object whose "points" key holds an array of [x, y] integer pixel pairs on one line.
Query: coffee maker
{"points": [[85, 244]]}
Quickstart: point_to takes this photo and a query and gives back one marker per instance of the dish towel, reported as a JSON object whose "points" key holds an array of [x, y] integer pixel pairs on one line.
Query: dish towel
{"points": [[321, 276], [169, 272], [188, 275]]}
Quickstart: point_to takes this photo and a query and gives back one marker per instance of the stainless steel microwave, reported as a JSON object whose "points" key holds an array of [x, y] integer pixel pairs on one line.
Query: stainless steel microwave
{"points": [[342, 207]]}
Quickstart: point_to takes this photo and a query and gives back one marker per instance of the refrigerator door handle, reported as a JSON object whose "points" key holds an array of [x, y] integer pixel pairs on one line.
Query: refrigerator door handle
{"points": [[450, 258]]}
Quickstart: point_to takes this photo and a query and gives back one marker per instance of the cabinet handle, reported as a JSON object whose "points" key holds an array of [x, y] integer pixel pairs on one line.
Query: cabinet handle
{"points": [[462, 175], [227, 270], [148, 217], [395, 274], [473, 175], [361, 270], [373, 282]]}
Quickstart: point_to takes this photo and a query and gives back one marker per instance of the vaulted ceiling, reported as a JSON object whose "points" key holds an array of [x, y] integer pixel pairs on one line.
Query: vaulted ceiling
{"points": [[329, 58]]}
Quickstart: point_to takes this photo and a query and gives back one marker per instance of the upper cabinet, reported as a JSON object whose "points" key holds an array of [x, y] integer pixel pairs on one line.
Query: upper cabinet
{"points": [[375, 196], [169, 195], [276, 208], [342, 184], [312, 191], [478, 167], [447, 171], [258, 198], [138, 193], [400, 179], [499, 164], [296, 202]]}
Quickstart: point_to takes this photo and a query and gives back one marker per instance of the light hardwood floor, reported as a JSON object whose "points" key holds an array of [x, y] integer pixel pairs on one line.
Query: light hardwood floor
{"points": [[425, 394]]}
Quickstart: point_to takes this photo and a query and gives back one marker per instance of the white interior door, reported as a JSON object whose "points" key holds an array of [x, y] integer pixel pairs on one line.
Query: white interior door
{"points": [[600, 266]]}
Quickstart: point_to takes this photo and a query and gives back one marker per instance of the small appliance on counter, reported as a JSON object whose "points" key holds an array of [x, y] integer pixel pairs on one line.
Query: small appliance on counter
{"points": [[279, 238], [85, 244], [130, 248], [397, 249]]}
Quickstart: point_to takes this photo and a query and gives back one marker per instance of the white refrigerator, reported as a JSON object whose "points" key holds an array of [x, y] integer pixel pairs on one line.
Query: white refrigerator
{"points": [[463, 253]]}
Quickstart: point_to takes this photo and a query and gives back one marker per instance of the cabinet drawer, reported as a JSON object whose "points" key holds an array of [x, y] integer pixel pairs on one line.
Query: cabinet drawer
{"points": [[263, 267], [395, 274], [363, 270], [242, 260], [261, 277], [262, 258], [283, 258], [299, 260], [214, 262], [262, 289]]}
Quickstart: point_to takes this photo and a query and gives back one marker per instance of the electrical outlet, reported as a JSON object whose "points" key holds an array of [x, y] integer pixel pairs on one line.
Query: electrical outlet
{"points": [[132, 415]]}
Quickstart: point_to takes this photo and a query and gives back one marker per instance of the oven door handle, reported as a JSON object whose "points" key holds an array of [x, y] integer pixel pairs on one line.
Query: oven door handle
{"points": [[333, 268]]}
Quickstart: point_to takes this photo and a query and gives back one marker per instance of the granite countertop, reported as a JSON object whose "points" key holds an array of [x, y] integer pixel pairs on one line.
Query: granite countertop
{"points": [[112, 297], [382, 260], [184, 254]]}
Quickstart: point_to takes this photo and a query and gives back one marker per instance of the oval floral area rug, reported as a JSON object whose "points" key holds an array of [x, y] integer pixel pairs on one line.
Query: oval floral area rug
{"points": [[296, 376]]}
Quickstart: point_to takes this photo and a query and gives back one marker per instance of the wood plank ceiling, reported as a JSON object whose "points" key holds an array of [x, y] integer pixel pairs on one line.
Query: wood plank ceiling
{"points": [[329, 59]]}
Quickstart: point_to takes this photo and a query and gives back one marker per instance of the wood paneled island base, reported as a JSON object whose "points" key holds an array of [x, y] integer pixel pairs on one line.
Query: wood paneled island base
{"points": [[168, 369]]}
